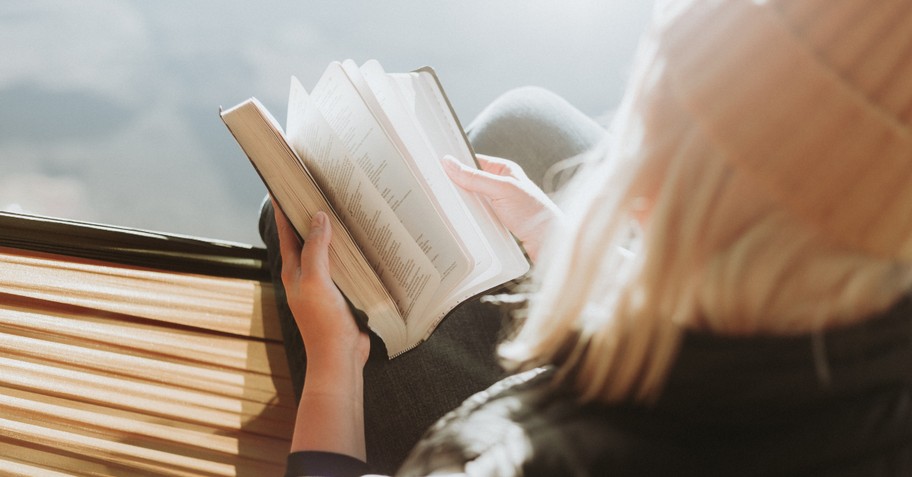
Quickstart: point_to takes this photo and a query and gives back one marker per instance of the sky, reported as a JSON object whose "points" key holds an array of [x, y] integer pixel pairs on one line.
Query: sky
{"points": [[109, 108]]}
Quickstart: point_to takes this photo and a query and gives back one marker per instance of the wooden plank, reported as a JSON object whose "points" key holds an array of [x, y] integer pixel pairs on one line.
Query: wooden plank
{"points": [[73, 324], [127, 455], [227, 305], [109, 369], [231, 384]]}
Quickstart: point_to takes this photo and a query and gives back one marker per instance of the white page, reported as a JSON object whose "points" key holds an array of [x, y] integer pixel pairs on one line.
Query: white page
{"points": [[430, 108], [400, 262], [428, 164], [342, 106], [443, 140]]}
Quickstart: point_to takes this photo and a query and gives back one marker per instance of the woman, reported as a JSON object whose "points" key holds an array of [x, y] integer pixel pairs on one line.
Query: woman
{"points": [[725, 293]]}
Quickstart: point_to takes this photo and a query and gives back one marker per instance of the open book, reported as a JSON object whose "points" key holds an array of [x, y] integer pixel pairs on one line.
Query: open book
{"points": [[365, 146]]}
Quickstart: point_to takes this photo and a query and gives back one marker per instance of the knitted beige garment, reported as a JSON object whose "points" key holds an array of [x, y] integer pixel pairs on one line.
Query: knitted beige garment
{"points": [[811, 99]]}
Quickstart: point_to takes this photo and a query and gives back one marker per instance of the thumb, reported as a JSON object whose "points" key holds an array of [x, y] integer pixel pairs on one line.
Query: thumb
{"points": [[475, 180], [315, 254]]}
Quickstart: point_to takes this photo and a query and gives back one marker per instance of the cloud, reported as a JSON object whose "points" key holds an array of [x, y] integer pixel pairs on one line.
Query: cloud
{"points": [[110, 107], [45, 195], [37, 115], [93, 45]]}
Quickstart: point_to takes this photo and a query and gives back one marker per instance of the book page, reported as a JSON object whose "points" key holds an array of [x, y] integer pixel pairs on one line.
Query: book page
{"points": [[428, 163], [298, 195], [442, 140], [381, 161], [400, 262], [425, 99]]}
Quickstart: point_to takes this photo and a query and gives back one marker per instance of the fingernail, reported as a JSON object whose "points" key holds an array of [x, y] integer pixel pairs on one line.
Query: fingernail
{"points": [[450, 163], [318, 220]]}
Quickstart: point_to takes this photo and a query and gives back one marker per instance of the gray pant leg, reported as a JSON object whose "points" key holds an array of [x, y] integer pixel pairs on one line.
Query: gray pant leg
{"points": [[404, 396], [534, 128]]}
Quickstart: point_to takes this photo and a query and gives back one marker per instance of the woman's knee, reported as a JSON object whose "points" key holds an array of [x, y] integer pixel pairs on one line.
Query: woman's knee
{"points": [[520, 108], [534, 127], [267, 221]]}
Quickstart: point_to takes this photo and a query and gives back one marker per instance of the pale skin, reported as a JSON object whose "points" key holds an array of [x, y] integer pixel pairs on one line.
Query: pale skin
{"points": [[331, 412], [330, 416], [520, 204]]}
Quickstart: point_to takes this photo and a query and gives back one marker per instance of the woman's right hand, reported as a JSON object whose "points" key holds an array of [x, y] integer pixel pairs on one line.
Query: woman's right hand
{"points": [[520, 204]]}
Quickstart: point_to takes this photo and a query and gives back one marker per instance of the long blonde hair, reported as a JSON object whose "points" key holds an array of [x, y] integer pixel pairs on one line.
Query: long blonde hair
{"points": [[662, 234]]}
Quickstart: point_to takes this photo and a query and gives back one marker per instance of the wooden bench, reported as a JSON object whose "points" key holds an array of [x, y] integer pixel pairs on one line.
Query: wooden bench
{"points": [[125, 352]]}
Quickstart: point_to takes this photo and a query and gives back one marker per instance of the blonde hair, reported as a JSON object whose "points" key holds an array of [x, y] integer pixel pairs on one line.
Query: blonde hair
{"points": [[664, 234]]}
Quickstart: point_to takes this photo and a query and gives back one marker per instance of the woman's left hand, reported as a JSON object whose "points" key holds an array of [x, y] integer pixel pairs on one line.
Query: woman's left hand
{"points": [[331, 411], [328, 329]]}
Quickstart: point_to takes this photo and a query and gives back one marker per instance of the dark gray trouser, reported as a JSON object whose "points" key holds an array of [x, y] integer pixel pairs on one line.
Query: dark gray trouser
{"points": [[404, 396]]}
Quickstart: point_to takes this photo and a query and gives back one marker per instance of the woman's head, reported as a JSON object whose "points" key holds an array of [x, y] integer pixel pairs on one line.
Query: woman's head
{"points": [[753, 184]]}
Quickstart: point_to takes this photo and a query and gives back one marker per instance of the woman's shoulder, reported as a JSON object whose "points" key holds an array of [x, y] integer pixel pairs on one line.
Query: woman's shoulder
{"points": [[524, 425]]}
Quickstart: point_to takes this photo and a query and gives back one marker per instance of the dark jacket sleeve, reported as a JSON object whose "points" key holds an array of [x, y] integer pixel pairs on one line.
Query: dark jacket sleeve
{"points": [[329, 464]]}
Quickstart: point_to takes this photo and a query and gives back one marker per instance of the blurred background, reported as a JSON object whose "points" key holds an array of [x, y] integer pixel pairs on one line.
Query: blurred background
{"points": [[109, 109]]}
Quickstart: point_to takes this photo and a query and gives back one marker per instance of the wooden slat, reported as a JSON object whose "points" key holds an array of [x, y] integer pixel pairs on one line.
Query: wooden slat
{"points": [[154, 434], [110, 369], [74, 324], [231, 384], [137, 416], [26, 461], [137, 457], [156, 399], [227, 305]]}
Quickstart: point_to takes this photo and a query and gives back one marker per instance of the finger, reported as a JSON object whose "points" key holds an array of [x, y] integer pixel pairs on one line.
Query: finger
{"points": [[315, 254], [492, 164], [475, 180], [289, 245], [500, 166]]}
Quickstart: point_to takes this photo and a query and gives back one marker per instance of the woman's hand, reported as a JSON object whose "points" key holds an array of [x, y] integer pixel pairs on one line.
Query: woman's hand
{"points": [[330, 414], [520, 204], [327, 326]]}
